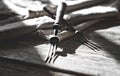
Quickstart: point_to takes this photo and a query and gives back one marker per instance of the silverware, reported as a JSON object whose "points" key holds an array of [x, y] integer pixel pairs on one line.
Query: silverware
{"points": [[56, 27]]}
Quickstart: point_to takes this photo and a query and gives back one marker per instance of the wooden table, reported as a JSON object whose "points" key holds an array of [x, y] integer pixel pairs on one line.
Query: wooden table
{"points": [[73, 55]]}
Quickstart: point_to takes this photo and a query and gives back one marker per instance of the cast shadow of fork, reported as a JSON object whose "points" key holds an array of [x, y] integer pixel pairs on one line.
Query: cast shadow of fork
{"points": [[70, 45]]}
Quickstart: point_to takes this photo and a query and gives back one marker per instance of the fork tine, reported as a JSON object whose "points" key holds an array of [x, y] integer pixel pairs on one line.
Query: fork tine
{"points": [[52, 53], [48, 56]]}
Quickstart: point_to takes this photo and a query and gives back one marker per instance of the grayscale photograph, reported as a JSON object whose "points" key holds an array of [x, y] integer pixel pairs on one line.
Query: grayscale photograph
{"points": [[59, 38]]}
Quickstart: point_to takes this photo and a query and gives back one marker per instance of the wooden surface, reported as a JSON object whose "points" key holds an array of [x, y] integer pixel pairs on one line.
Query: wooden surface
{"points": [[73, 55]]}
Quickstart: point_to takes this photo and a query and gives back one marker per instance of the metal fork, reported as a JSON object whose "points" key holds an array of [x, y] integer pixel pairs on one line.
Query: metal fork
{"points": [[56, 27]]}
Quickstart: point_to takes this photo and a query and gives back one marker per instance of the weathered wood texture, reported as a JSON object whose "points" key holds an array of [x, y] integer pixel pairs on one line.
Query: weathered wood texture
{"points": [[75, 56], [72, 54]]}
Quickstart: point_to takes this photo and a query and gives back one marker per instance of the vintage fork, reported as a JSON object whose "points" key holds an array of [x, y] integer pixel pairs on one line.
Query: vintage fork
{"points": [[56, 27], [54, 40]]}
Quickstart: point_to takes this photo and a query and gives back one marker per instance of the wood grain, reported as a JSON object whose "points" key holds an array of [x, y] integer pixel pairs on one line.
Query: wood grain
{"points": [[72, 54]]}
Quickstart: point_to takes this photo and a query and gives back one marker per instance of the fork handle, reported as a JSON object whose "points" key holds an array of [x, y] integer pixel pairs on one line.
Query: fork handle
{"points": [[60, 12]]}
